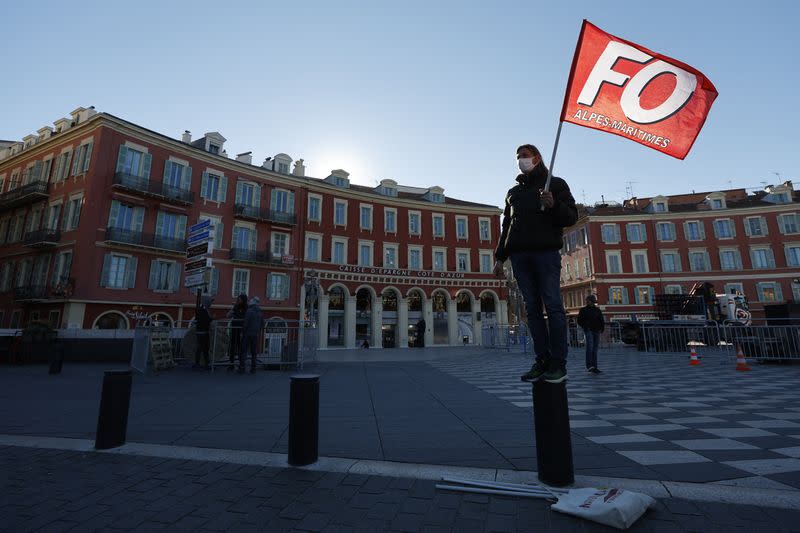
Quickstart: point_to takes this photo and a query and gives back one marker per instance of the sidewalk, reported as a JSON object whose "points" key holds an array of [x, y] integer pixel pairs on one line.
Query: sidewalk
{"points": [[648, 417]]}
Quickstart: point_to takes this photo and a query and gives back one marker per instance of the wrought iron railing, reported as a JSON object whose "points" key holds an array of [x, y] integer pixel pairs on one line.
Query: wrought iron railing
{"points": [[128, 236], [153, 188], [42, 237], [26, 193], [265, 214]]}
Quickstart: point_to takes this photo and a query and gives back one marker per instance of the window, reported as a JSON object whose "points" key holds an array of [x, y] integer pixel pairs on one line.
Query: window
{"points": [[283, 168], [214, 187], [280, 244], [364, 254], [126, 217], [762, 258], [723, 229], [133, 162], [587, 266], [213, 286], [698, 261], [462, 261], [53, 216], [730, 259], [614, 262], [170, 230], [248, 194], [644, 295], [339, 252], [716, 203], [390, 256], [789, 223], [16, 227], [4, 229], [734, 288], [639, 260], [439, 263], [413, 223], [219, 229], [670, 261], [796, 291], [390, 220], [244, 238], [438, 225], [282, 201], [461, 227], [486, 262], [213, 149], [661, 207], [313, 245], [340, 213], [366, 217], [119, 272], [61, 268], [47, 164], [315, 208], [617, 296], [610, 233], [62, 167], [485, 229], [241, 281], [673, 289], [72, 214], [636, 232], [177, 175], [163, 276], [415, 258], [82, 157], [694, 230], [22, 274], [277, 286], [792, 255], [769, 292], [755, 226], [5, 276]]}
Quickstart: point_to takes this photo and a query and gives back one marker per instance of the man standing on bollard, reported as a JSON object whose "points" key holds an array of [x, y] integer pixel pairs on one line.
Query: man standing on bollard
{"points": [[590, 319], [253, 324], [532, 234]]}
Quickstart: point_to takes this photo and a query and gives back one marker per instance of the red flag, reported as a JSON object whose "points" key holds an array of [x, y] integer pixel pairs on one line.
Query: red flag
{"points": [[625, 89]]}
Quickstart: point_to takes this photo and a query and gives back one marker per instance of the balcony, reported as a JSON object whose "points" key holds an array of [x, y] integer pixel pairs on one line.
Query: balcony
{"points": [[34, 293], [245, 255], [27, 194], [155, 189], [147, 240], [264, 215], [42, 238]]}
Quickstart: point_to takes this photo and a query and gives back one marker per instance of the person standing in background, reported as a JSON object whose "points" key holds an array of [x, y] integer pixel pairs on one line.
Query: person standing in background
{"points": [[590, 319], [237, 322]]}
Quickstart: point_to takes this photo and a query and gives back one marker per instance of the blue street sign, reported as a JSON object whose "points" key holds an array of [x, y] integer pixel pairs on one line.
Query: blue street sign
{"points": [[200, 226], [198, 237]]}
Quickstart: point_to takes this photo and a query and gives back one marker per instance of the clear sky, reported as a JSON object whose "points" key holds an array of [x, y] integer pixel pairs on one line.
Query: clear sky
{"points": [[423, 92]]}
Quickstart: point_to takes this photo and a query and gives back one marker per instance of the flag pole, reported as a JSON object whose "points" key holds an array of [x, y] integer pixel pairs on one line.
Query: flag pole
{"points": [[552, 160]]}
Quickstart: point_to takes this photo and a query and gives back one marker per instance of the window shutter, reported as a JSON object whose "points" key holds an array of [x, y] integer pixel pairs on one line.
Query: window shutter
{"points": [[214, 289], [186, 178], [274, 200], [66, 216], [77, 161], [610, 295], [87, 157], [219, 228], [153, 274], [636, 298], [123, 154], [114, 214], [778, 292], [764, 227], [291, 203], [747, 227], [147, 162], [702, 228], [752, 258], [770, 258], [130, 272], [628, 232], [733, 227], [174, 276], [716, 225], [616, 233], [258, 196], [238, 199], [643, 229], [167, 164], [76, 213], [285, 291], [223, 188], [782, 223], [180, 227], [204, 185], [104, 273], [67, 159], [738, 255], [160, 223], [138, 219], [36, 172], [252, 243]]}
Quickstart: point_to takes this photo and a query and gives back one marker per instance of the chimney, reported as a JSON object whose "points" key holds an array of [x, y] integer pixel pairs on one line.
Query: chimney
{"points": [[246, 158], [299, 168], [186, 137], [268, 163]]}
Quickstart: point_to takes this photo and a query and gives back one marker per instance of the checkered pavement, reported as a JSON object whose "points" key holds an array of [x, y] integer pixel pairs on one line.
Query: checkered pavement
{"points": [[659, 412]]}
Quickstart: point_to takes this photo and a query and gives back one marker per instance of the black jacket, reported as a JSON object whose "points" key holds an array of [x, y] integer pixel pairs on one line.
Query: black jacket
{"points": [[591, 317], [525, 226], [203, 319]]}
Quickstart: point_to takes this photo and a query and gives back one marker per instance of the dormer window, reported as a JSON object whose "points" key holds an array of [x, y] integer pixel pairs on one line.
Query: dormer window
{"points": [[661, 207], [716, 203], [283, 168], [387, 188], [213, 149], [435, 195], [716, 200], [339, 178]]}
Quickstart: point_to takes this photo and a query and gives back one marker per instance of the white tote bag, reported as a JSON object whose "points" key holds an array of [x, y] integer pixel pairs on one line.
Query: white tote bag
{"points": [[613, 507]]}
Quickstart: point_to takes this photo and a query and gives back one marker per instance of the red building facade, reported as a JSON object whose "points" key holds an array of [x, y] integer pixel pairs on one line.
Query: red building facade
{"points": [[93, 220], [742, 242]]}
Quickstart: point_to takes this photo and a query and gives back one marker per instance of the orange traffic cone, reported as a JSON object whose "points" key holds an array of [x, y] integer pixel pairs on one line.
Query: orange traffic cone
{"points": [[694, 360], [741, 362]]}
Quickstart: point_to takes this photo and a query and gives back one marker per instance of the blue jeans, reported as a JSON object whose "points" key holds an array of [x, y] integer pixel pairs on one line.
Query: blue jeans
{"points": [[538, 277], [592, 343]]}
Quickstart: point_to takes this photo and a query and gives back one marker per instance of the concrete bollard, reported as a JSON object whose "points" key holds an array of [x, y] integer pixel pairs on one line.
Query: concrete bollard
{"points": [[112, 422], [553, 440], [304, 419]]}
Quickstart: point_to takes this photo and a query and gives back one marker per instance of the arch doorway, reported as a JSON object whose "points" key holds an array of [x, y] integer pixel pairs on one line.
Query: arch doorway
{"points": [[441, 330], [416, 320], [336, 298], [363, 317], [111, 320], [466, 324], [390, 336]]}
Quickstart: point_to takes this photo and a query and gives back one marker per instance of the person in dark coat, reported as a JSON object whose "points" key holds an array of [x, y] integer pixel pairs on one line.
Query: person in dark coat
{"points": [[532, 233], [202, 332], [237, 322], [253, 325], [590, 319]]}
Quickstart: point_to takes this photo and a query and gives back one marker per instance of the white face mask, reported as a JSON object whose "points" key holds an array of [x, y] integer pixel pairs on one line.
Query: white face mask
{"points": [[525, 164]]}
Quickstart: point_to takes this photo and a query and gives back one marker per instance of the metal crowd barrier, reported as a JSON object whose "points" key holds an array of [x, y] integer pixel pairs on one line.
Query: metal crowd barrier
{"points": [[510, 337], [611, 336], [283, 344]]}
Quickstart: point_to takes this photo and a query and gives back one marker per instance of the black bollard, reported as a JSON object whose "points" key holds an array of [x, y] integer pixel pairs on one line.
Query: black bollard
{"points": [[553, 440], [112, 422], [303, 419]]}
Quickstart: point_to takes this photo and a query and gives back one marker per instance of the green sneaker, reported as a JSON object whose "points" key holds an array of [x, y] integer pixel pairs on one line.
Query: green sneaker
{"points": [[556, 372], [536, 371]]}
